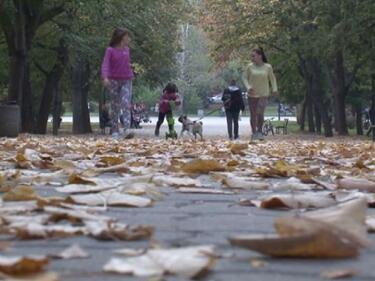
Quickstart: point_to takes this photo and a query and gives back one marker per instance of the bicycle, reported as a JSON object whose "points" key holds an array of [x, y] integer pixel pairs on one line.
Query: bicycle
{"points": [[268, 127]]}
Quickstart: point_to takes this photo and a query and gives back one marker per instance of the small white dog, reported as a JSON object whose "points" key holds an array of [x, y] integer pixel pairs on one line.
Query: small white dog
{"points": [[192, 127]]}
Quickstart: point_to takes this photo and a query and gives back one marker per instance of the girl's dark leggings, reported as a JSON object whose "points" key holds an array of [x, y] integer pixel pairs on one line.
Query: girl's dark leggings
{"points": [[161, 118]]}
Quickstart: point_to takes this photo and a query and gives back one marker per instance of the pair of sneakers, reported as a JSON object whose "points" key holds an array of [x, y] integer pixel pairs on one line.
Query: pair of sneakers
{"points": [[257, 136]]}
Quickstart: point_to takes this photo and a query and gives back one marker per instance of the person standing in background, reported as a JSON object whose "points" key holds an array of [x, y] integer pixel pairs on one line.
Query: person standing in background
{"points": [[233, 104], [258, 77], [117, 76]]}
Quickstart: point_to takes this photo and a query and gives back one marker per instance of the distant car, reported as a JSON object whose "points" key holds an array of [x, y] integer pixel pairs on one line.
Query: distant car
{"points": [[215, 99]]}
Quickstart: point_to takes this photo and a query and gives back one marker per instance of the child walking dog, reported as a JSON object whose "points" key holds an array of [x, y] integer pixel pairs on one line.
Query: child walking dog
{"points": [[168, 101]]}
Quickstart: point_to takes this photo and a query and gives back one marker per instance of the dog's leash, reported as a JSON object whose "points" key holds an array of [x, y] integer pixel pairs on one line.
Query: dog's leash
{"points": [[209, 113]]}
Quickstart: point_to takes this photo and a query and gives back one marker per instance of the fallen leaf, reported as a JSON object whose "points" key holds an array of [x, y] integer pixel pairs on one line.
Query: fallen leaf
{"points": [[238, 148], [356, 183], [20, 193], [110, 199], [121, 168], [190, 262], [249, 203], [82, 188], [335, 232], [77, 179], [74, 215], [175, 181], [339, 274], [349, 216], [39, 231], [316, 240], [297, 201], [67, 165], [117, 231], [50, 276], [203, 190], [22, 265], [111, 160], [73, 252], [292, 184], [130, 252], [202, 166], [279, 169], [18, 207], [243, 183]]}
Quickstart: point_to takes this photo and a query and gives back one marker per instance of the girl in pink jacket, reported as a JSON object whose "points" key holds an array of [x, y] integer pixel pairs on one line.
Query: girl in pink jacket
{"points": [[168, 100], [117, 76]]}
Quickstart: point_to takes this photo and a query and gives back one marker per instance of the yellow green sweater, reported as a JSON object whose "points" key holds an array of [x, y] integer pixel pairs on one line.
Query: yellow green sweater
{"points": [[259, 79]]}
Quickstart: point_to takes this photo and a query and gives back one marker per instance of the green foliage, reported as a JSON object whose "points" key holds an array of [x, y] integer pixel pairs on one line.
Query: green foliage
{"points": [[144, 94], [192, 102]]}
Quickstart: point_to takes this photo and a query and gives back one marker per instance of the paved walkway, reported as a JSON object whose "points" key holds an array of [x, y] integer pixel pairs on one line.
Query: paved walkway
{"points": [[193, 219]]}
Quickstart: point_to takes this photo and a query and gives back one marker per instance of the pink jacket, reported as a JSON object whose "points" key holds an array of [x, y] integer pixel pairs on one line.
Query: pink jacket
{"points": [[116, 64], [165, 99]]}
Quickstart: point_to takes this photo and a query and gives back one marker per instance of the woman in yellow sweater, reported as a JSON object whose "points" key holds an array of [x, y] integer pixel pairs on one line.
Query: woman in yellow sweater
{"points": [[258, 77]]}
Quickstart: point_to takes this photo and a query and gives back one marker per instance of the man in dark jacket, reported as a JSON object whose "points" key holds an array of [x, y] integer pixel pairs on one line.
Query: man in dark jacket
{"points": [[233, 104]]}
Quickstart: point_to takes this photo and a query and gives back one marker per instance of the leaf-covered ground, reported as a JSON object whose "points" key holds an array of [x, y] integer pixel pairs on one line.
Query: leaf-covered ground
{"points": [[74, 188]]}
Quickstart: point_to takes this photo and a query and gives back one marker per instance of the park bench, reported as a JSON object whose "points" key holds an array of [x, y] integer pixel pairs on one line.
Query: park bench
{"points": [[283, 128]]}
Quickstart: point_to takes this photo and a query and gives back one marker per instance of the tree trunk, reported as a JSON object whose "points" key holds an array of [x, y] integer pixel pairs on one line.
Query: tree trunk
{"points": [[372, 111], [338, 83], [57, 112], [310, 115], [314, 81], [308, 97], [319, 98], [27, 116], [80, 84], [51, 87], [358, 119], [301, 113], [318, 120]]}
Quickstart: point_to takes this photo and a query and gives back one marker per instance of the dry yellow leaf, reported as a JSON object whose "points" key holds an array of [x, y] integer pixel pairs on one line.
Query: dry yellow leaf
{"points": [[77, 179], [298, 200], [309, 239], [111, 160], [22, 265], [337, 232], [20, 193], [233, 163], [238, 148], [117, 231], [202, 166]]}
